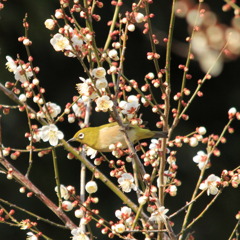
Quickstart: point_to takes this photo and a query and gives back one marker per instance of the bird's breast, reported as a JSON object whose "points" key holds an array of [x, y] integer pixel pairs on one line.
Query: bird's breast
{"points": [[113, 135]]}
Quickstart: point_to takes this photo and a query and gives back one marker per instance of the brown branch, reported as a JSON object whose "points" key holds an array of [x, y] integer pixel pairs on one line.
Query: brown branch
{"points": [[28, 184]]}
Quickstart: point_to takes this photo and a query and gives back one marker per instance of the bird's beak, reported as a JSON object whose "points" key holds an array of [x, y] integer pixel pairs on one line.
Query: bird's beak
{"points": [[71, 139]]}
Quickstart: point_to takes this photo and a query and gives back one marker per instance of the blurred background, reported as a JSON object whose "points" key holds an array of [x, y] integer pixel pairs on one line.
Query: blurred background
{"points": [[59, 75]]}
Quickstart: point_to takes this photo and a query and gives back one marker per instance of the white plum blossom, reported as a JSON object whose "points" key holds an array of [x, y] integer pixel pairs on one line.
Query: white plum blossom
{"points": [[64, 192], [142, 200], [86, 89], [112, 69], [71, 118], [49, 24], [25, 224], [165, 178], [235, 180], [5, 151], [51, 109], [113, 54], [132, 98], [159, 215], [99, 72], [211, 184], [125, 212], [104, 103], [91, 187], [143, 100], [131, 27], [154, 149], [116, 45], [78, 234], [60, 43], [11, 65], [193, 142], [119, 228], [83, 221], [68, 29], [77, 41], [58, 14], [79, 213], [36, 135], [125, 215], [31, 236], [88, 37], [67, 206], [22, 72], [201, 159], [126, 182], [101, 83], [35, 81], [83, 88], [22, 97], [90, 152], [131, 106], [155, 145], [202, 130], [173, 190], [129, 221], [139, 17], [232, 111], [51, 133], [77, 107], [27, 42]]}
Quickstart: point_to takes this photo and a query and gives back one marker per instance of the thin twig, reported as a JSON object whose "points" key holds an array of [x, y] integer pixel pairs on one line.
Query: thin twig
{"points": [[57, 177], [39, 194], [196, 90], [234, 230], [185, 206], [232, 4], [202, 213], [30, 161], [115, 16], [32, 214], [188, 58], [14, 98], [83, 167]]}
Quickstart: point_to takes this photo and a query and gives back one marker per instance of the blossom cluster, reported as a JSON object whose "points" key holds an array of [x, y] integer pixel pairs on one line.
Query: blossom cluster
{"points": [[22, 71], [211, 184]]}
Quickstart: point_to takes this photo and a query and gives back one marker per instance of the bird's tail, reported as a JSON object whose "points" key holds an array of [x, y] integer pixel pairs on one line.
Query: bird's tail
{"points": [[161, 134]]}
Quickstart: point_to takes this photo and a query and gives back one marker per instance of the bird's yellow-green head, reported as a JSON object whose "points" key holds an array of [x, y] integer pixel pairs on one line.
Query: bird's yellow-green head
{"points": [[87, 136]]}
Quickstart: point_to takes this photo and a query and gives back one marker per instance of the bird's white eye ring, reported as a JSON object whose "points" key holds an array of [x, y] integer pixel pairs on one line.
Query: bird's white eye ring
{"points": [[81, 135]]}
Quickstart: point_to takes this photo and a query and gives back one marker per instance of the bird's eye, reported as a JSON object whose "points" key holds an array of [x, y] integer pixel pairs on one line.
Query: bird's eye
{"points": [[81, 135]]}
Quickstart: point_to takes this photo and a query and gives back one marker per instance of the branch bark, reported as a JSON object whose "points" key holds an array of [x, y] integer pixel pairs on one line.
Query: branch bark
{"points": [[38, 193]]}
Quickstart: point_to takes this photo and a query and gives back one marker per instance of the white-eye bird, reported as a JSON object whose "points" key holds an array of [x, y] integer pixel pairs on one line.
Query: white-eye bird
{"points": [[101, 137]]}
